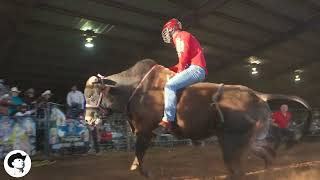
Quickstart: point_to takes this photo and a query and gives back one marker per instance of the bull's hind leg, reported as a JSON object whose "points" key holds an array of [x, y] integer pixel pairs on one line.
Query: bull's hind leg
{"points": [[233, 148], [142, 143]]}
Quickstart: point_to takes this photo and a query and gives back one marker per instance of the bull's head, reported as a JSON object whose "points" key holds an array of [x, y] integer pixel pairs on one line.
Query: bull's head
{"points": [[100, 99]]}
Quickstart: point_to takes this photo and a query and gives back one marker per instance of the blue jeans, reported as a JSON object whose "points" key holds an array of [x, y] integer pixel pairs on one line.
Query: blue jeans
{"points": [[187, 77]]}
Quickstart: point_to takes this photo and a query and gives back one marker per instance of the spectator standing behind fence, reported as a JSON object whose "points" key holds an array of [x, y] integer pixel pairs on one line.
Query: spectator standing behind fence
{"points": [[29, 98], [23, 111], [44, 99], [42, 102], [280, 121], [15, 100], [75, 101], [5, 102]]}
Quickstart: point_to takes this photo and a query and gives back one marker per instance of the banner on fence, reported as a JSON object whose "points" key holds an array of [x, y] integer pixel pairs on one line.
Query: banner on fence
{"points": [[65, 132], [17, 133]]}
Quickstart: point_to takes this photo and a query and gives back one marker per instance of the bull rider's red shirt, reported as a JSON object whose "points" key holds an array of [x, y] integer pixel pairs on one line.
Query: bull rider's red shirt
{"points": [[189, 52]]}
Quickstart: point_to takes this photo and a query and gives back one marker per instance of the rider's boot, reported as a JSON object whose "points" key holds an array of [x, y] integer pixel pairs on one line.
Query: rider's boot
{"points": [[164, 127]]}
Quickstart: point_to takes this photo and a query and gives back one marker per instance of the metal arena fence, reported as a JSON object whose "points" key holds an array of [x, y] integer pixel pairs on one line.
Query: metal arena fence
{"points": [[57, 134]]}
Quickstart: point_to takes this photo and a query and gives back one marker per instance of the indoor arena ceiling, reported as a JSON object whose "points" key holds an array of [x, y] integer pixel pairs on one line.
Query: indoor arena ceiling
{"points": [[42, 42]]}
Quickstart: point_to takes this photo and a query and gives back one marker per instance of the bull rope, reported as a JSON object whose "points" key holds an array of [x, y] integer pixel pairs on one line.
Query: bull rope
{"points": [[215, 99], [140, 83], [292, 166], [132, 95]]}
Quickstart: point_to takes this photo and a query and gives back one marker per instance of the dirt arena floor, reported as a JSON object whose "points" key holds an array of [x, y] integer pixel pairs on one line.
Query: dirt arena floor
{"points": [[179, 163]]}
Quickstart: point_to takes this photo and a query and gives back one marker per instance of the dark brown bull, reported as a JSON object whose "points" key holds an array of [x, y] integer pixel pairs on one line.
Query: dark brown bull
{"points": [[139, 92]]}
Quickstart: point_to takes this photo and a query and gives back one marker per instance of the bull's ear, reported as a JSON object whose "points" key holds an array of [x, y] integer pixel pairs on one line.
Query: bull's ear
{"points": [[109, 83]]}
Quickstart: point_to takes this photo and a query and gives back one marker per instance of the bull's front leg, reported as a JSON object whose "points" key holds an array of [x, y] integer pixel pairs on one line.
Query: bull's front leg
{"points": [[142, 144]]}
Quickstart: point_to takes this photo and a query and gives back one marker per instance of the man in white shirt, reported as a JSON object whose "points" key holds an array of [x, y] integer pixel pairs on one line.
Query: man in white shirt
{"points": [[75, 99]]}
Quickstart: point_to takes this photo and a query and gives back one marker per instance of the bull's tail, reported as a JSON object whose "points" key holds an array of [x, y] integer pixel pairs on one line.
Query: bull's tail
{"points": [[267, 97]]}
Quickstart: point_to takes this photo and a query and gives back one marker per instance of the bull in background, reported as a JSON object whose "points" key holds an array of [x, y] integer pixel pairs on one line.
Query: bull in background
{"points": [[238, 116]]}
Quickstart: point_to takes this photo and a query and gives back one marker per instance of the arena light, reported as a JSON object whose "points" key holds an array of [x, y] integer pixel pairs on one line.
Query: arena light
{"points": [[297, 75], [254, 71], [254, 60], [254, 63], [87, 28], [89, 36], [89, 42]]}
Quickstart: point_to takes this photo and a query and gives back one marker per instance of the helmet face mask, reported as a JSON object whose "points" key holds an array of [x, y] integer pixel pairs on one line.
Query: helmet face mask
{"points": [[169, 28], [167, 35]]}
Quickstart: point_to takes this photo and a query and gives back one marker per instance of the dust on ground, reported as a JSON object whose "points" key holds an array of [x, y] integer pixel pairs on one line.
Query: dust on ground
{"points": [[178, 163]]}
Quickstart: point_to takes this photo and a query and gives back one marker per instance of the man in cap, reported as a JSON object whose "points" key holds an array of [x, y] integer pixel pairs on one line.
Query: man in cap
{"points": [[15, 100], [47, 94], [29, 97], [42, 102]]}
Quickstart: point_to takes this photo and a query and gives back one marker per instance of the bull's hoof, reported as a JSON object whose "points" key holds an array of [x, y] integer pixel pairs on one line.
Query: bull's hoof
{"points": [[134, 167], [143, 172]]}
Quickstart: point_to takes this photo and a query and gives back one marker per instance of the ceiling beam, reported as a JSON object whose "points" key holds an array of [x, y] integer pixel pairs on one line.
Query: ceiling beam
{"points": [[243, 22], [202, 10], [67, 12], [225, 16], [277, 39], [133, 9], [154, 33], [78, 32], [270, 11], [72, 13], [162, 16], [211, 30], [186, 5]]}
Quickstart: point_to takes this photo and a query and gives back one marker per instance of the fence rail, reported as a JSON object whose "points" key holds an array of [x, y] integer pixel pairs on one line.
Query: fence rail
{"points": [[57, 134]]}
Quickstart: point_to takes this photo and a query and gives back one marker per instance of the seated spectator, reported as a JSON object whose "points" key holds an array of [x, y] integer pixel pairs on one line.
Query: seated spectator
{"points": [[15, 100], [29, 97], [280, 122], [75, 101], [23, 111]]}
